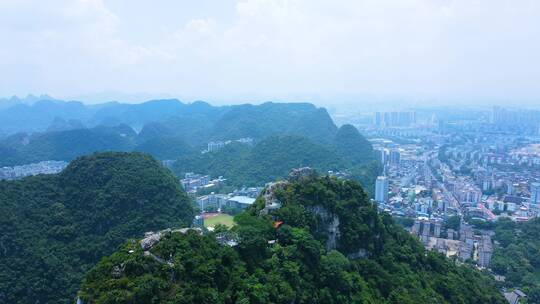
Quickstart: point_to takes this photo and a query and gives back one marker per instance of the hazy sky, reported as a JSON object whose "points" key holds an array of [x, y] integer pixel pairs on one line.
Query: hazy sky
{"points": [[327, 52]]}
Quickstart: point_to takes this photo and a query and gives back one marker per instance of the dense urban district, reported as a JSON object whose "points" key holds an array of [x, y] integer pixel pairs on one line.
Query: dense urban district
{"points": [[467, 185]]}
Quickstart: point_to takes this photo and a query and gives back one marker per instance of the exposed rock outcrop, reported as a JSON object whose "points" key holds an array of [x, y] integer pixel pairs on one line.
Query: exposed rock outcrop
{"points": [[270, 200], [329, 225], [151, 238], [299, 173]]}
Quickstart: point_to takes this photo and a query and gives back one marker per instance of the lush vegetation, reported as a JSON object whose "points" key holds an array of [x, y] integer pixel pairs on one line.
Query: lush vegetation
{"points": [[371, 261], [55, 227], [286, 136], [65, 145], [268, 160], [169, 128], [352, 146], [164, 147], [273, 157], [271, 119], [517, 256]]}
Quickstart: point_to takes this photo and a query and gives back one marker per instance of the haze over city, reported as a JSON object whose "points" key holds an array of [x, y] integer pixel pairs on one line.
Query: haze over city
{"points": [[417, 52]]}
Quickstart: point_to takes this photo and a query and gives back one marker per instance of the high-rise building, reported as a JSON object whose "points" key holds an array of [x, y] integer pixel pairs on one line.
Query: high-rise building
{"points": [[535, 193], [215, 146], [381, 189], [378, 119], [437, 229], [506, 117], [510, 188], [485, 251], [383, 156], [395, 157], [486, 185], [394, 119]]}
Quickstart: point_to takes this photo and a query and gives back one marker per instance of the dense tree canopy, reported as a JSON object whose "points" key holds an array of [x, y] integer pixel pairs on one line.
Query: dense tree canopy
{"points": [[352, 146], [274, 157], [55, 227], [166, 147], [269, 119], [517, 255], [168, 128], [65, 145], [292, 262]]}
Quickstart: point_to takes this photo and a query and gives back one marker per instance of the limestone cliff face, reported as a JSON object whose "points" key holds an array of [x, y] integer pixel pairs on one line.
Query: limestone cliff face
{"points": [[270, 200], [328, 224]]}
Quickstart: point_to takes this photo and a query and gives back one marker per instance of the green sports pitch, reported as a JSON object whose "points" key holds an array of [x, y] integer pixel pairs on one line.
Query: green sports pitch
{"points": [[213, 220]]}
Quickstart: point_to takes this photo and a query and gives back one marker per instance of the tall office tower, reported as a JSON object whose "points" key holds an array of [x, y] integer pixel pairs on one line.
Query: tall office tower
{"points": [[378, 121], [406, 118], [381, 189], [510, 189], [494, 115], [394, 119], [535, 193], [395, 157], [437, 229], [383, 156]]}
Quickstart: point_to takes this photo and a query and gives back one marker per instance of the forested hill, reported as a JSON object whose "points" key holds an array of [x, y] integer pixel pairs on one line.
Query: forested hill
{"points": [[65, 145], [56, 130], [267, 119], [199, 121], [268, 160], [273, 157], [326, 244], [55, 227]]}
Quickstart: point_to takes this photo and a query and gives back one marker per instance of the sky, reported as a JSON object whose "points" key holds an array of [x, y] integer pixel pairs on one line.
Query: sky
{"points": [[357, 52]]}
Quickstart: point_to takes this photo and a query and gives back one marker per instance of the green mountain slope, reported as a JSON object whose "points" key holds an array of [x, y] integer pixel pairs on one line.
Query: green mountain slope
{"points": [[65, 145], [159, 122], [55, 227], [268, 160], [165, 147], [275, 156], [270, 119], [517, 256], [352, 146], [332, 247]]}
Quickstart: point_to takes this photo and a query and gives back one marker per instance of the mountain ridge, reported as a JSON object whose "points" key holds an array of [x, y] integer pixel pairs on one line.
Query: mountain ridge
{"points": [[72, 131], [278, 252]]}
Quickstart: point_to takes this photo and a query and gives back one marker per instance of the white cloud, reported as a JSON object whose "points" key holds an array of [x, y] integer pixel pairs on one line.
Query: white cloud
{"points": [[277, 49], [203, 26]]}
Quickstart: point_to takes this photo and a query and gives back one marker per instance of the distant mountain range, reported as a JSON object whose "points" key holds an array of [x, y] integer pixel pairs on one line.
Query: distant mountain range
{"points": [[48, 129], [285, 135], [37, 114], [15, 100]]}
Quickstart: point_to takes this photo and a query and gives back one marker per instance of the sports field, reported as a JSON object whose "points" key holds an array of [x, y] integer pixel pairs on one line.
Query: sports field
{"points": [[212, 219]]}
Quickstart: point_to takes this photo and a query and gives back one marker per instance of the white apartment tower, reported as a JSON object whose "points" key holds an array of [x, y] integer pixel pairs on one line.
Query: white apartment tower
{"points": [[381, 189]]}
